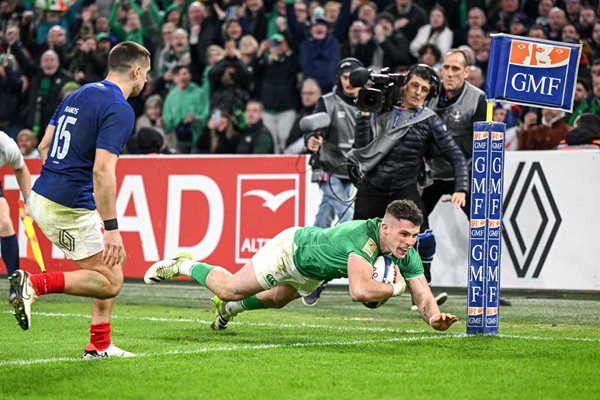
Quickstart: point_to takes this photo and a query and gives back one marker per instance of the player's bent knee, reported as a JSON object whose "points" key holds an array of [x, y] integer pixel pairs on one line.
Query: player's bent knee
{"points": [[226, 293], [111, 289], [6, 227]]}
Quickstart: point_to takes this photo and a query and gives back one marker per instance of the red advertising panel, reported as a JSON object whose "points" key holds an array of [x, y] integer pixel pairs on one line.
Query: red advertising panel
{"points": [[219, 209]]}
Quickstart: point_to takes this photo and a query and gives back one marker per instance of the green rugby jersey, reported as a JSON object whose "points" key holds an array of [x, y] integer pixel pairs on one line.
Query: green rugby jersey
{"points": [[322, 254]]}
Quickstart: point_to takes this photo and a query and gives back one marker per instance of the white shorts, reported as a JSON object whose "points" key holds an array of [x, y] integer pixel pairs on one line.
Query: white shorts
{"points": [[76, 231], [274, 264]]}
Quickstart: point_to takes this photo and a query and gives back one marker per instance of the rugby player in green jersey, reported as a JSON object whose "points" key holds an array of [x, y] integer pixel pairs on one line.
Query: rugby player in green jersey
{"points": [[297, 260]]}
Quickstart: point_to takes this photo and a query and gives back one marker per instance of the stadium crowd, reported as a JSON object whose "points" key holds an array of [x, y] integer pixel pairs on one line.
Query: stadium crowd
{"points": [[235, 76]]}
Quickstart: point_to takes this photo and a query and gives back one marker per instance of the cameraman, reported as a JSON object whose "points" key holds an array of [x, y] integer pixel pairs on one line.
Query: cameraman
{"points": [[392, 144], [334, 144], [331, 149]]}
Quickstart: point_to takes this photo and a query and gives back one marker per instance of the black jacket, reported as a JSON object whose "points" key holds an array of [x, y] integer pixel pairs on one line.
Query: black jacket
{"points": [[400, 167]]}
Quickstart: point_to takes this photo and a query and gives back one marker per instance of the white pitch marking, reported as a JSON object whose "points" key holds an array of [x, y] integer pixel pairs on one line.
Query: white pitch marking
{"points": [[256, 324], [238, 348]]}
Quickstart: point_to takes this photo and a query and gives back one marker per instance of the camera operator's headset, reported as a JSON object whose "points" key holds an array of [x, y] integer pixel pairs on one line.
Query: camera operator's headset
{"points": [[426, 72]]}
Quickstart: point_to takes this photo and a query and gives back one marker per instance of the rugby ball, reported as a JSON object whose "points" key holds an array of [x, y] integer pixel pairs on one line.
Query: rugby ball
{"points": [[383, 271]]}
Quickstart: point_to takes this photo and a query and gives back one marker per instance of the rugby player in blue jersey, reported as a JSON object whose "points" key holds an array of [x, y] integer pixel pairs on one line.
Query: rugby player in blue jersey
{"points": [[73, 200]]}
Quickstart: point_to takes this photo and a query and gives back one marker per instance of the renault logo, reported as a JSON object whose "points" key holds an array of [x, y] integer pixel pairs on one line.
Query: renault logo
{"points": [[528, 234]]}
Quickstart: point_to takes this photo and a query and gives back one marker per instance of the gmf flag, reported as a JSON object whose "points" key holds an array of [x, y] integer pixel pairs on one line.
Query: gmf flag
{"points": [[533, 72]]}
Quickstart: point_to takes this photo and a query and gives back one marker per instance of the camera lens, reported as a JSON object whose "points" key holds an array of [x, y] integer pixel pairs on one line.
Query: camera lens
{"points": [[369, 100]]}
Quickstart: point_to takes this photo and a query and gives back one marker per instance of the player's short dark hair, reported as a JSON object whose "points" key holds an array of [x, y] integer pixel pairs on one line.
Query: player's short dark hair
{"points": [[127, 54], [405, 209]]}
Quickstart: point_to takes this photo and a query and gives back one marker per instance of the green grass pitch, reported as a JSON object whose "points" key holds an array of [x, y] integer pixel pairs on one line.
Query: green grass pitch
{"points": [[546, 349]]}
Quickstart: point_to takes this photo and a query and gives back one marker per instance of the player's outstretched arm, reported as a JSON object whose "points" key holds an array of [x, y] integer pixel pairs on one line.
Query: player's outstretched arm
{"points": [[428, 308], [44, 145]]}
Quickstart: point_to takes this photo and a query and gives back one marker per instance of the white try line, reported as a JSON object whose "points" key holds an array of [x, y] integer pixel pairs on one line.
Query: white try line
{"points": [[240, 323], [240, 348]]}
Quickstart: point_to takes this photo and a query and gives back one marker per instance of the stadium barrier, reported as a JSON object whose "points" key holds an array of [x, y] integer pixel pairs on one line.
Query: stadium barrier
{"points": [[223, 209]]}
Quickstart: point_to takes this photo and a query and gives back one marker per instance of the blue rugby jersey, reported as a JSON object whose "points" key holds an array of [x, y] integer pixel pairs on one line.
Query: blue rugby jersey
{"points": [[96, 116]]}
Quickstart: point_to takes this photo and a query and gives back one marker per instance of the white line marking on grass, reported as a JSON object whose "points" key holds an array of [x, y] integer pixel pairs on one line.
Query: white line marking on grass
{"points": [[241, 348], [252, 324]]}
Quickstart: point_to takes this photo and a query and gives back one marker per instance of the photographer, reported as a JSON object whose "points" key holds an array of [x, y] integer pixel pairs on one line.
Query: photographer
{"points": [[331, 149], [389, 148]]}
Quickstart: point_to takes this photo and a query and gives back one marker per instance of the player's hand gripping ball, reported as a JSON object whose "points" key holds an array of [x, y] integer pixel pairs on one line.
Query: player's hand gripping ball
{"points": [[383, 271]]}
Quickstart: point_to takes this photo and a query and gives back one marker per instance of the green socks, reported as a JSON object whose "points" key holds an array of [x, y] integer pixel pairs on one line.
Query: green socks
{"points": [[252, 303], [199, 272]]}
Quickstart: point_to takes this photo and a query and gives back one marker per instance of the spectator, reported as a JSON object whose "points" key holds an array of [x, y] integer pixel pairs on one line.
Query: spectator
{"points": [[537, 32], [581, 103], [255, 138], [44, 93], [68, 88], [557, 19], [519, 24], [391, 47], [230, 82], [502, 114], [573, 9], [310, 94], [255, 15], [360, 43], [89, 62], [219, 136], [319, 54], [409, 17], [55, 16], [185, 111], [585, 135], [132, 29], [332, 11], [367, 12], [232, 29], [476, 19], [152, 117], [10, 14], [500, 19], [276, 70], [172, 14], [545, 135], [178, 53], [27, 142], [150, 140], [587, 18], [12, 86], [436, 32], [201, 22], [248, 49], [56, 40], [161, 47], [101, 25], [429, 54], [475, 77], [543, 11], [595, 42]]}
